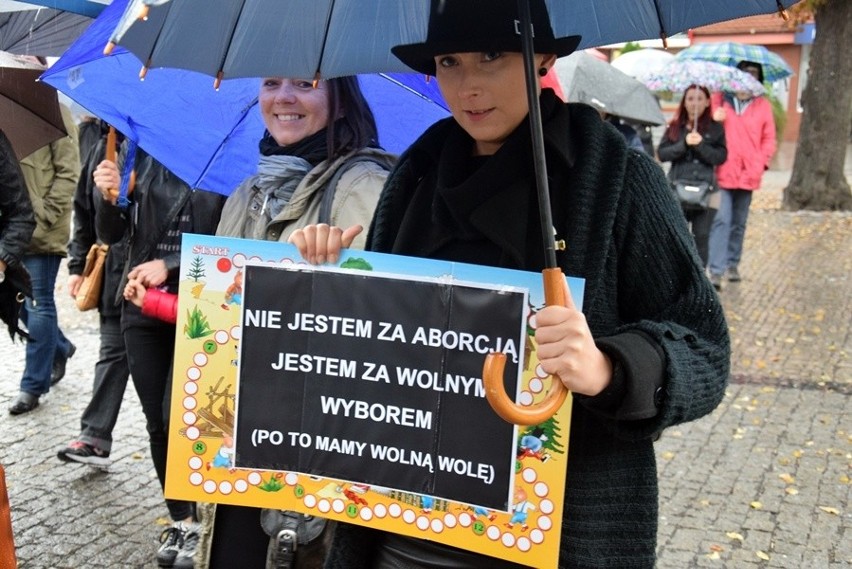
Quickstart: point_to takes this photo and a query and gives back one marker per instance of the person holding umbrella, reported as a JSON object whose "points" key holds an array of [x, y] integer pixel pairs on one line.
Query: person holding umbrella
{"points": [[695, 144], [162, 207], [651, 348], [750, 136]]}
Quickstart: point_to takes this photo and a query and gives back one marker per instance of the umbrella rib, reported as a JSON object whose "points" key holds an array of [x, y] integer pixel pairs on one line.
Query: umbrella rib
{"points": [[220, 73], [663, 35], [215, 154], [324, 40]]}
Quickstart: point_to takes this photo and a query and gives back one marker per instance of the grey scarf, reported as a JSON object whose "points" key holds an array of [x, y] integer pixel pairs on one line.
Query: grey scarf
{"points": [[278, 177]]}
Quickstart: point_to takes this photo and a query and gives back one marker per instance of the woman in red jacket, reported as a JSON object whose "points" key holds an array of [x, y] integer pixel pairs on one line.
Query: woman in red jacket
{"points": [[750, 138]]}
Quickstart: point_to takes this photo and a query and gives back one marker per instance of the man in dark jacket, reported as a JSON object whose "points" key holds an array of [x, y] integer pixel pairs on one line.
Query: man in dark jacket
{"points": [[94, 443], [16, 228], [51, 176]]}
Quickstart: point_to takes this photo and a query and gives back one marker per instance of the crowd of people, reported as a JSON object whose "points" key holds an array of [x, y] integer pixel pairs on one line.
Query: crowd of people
{"points": [[649, 350]]}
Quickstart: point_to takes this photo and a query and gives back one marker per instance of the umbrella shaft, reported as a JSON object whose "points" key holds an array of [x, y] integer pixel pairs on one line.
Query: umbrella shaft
{"points": [[537, 132]]}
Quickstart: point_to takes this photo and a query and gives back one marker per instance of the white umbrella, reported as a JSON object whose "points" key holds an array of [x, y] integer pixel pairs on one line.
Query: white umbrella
{"points": [[648, 60]]}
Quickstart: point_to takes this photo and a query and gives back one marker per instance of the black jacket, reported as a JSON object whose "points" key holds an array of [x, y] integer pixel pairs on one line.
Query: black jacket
{"points": [[17, 224], [695, 163], [647, 302], [85, 233], [158, 199], [16, 211]]}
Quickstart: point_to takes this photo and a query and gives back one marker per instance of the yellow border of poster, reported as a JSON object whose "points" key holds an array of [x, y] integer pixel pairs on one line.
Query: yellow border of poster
{"points": [[202, 418]]}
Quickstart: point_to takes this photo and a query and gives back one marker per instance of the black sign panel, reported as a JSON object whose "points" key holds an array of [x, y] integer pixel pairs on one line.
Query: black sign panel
{"points": [[377, 380]]}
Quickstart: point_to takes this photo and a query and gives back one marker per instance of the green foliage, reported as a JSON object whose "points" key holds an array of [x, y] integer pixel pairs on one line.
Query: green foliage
{"points": [[778, 114], [271, 485], [196, 271], [356, 263], [630, 46], [196, 324]]}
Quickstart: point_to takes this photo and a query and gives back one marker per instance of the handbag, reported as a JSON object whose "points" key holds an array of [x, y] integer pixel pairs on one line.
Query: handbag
{"points": [[14, 290], [297, 541], [89, 292], [693, 194]]}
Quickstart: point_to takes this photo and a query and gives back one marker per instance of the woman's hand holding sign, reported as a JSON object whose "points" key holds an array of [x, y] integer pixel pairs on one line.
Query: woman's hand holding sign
{"points": [[321, 243]]}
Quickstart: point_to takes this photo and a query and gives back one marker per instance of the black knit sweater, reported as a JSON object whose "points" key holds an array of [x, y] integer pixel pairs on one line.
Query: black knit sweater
{"points": [[647, 302]]}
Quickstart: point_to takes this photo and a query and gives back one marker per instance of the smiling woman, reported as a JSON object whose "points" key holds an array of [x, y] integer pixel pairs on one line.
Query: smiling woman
{"points": [[320, 162]]}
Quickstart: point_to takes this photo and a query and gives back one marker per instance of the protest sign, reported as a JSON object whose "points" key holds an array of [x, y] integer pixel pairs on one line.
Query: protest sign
{"points": [[357, 395]]}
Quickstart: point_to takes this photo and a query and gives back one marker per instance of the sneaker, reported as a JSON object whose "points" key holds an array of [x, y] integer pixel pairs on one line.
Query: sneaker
{"points": [[59, 361], [716, 281], [186, 556], [734, 275], [171, 541], [79, 451]]}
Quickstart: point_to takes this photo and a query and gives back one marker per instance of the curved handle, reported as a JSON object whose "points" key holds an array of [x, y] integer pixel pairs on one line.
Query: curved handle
{"points": [[492, 371]]}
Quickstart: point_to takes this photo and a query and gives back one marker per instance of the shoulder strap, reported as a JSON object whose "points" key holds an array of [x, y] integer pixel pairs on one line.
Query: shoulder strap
{"points": [[331, 186]]}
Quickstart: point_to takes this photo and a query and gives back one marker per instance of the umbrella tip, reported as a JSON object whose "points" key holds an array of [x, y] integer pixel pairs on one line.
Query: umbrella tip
{"points": [[785, 15], [665, 40], [109, 47], [316, 79], [143, 72], [218, 81], [143, 13]]}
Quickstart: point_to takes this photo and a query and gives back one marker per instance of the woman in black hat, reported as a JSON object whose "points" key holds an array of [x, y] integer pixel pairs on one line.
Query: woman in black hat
{"points": [[651, 347]]}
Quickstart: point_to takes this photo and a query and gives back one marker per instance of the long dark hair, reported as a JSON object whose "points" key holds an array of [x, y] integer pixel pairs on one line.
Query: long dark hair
{"points": [[356, 126], [681, 118]]}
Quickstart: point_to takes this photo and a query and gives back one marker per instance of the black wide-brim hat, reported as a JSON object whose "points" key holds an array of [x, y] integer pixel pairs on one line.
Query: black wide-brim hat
{"points": [[464, 26]]}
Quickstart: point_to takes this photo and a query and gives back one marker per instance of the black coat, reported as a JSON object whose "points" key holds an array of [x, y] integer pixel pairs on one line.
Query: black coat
{"points": [[85, 232], [647, 302], [695, 163], [16, 228]]}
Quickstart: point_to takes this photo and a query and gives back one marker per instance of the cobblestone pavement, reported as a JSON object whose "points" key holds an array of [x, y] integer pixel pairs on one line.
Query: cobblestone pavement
{"points": [[763, 482]]}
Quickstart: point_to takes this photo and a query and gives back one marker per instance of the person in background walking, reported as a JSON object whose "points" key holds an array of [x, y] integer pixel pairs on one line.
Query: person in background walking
{"points": [[695, 144], [16, 229], [162, 208], [94, 443], [50, 174], [750, 138]]}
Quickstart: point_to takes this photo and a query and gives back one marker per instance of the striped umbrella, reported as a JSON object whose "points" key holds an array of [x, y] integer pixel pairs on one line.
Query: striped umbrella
{"points": [[731, 53], [677, 75]]}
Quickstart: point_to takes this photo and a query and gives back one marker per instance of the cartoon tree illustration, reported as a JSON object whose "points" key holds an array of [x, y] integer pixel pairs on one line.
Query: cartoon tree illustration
{"points": [[551, 430], [196, 270]]}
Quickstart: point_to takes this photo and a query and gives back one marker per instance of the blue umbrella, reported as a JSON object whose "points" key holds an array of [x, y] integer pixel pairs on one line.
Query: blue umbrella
{"points": [[207, 137]]}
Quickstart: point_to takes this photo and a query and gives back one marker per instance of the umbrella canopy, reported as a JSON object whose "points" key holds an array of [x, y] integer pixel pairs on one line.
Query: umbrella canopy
{"points": [[347, 37], [677, 75], [207, 137], [586, 79], [731, 53], [29, 110], [39, 31], [88, 8], [641, 61]]}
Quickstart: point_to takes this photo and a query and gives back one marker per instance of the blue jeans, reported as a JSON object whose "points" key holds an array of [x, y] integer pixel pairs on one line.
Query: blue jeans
{"points": [[40, 317], [728, 230], [111, 375]]}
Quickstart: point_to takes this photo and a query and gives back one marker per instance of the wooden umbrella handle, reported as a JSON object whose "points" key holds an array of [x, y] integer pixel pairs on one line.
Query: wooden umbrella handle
{"points": [[495, 363], [110, 155]]}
